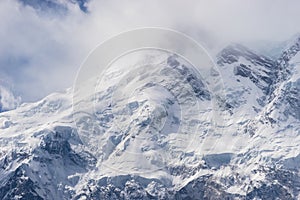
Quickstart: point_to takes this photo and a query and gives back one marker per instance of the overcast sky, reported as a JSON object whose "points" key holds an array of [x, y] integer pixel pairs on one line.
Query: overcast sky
{"points": [[42, 50]]}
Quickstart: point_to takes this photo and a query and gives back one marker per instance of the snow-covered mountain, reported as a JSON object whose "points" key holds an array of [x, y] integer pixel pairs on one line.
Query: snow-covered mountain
{"points": [[151, 132]]}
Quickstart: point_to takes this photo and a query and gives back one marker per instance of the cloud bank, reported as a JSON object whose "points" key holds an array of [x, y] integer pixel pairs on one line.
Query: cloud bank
{"points": [[42, 51]]}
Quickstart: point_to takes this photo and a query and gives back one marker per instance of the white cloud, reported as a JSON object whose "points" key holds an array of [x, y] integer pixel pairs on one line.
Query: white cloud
{"points": [[8, 100], [42, 52]]}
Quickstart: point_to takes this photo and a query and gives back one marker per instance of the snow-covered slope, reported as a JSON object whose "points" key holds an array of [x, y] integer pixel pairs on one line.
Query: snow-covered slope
{"points": [[153, 132]]}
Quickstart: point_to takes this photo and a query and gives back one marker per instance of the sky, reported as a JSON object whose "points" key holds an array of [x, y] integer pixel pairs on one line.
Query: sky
{"points": [[41, 49]]}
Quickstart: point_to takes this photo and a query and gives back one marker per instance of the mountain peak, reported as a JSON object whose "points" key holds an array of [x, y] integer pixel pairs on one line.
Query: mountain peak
{"points": [[234, 52]]}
